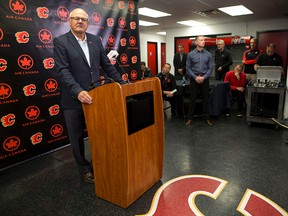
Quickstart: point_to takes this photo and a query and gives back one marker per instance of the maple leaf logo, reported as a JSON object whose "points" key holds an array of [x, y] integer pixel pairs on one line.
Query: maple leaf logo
{"points": [[124, 58], [95, 1], [25, 62], [62, 13], [96, 18], [51, 85], [131, 6], [11, 143], [134, 74], [18, 7], [122, 22], [132, 41], [5, 91], [1, 34], [111, 40], [32, 112], [56, 130], [3, 65], [45, 36]]}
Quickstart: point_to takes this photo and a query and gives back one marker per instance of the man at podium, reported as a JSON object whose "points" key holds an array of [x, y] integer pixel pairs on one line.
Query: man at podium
{"points": [[78, 56]]}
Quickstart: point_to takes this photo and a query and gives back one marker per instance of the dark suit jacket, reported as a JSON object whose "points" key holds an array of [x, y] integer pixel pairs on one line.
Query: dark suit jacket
{"points": [[178, 64], [74, 72]]}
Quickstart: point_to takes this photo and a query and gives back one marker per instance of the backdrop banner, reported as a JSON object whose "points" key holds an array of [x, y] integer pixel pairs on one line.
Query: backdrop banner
{"points": [[31, 119]]}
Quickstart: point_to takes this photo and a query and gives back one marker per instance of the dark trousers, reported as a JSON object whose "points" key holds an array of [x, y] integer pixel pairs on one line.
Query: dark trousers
{"points": [[239, 97], [220, 75], [75, 123], [175, 103], [203, 89]]}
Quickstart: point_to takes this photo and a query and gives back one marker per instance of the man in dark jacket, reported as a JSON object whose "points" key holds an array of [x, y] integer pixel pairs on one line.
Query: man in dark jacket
{"points": [[179, 61]]}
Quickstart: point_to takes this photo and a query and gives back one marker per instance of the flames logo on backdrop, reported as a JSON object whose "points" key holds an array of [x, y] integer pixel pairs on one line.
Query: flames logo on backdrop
{"points": [[121, 5], [63, 13], [18, 6], [56, 130], [96, 18], [110, 22], [134, 59], [51, 85], [45, 36], [42, 12], [1, 34], [125, 77], [109, 3], [25, 62], [22, 37], [54, 110], [3, 65], [122, 22], [11, 143], [123, 42], [36, 138], [133, 25], [8, 120], [5, 91], [48, 63], [32, 113], [95, 1], [29, 90]]}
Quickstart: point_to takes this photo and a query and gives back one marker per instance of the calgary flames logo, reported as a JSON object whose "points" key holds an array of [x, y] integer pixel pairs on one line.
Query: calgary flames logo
{"points": [[25, 62], [18, 6], [3, 65], [96, 18], [122, 22], [133, 25], [63, 13], [110, 22], [56, 130], [1, 34], [125, 77], [8, 120], [132, 41], [51, 85], [111, 40], [22, 37], [36, 138], [134, 59], [45, 36], [42, 12], [123, 42], [121, 5], [48, 63], [54, 110], [131, 6], [29, 90], [123, 58], [5, 91], [109, 3], [32, 113], [134, 74], [95, 1]]}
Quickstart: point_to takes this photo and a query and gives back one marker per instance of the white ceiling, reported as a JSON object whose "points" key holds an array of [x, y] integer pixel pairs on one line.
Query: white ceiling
{"points": [[187, 9]]}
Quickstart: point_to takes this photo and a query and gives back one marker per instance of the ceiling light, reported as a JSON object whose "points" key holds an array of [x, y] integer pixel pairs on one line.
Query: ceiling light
{"points": [[191, 23], [236, 10], [152, 13], [145, 23], [161, 33]]}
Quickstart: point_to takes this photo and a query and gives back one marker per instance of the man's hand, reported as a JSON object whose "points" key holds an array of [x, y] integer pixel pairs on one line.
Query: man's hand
{"points": [[84, 97], [199, 79]]}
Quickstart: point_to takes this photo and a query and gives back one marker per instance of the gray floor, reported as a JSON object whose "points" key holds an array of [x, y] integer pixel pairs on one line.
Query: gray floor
{"points": [[254, 157]]}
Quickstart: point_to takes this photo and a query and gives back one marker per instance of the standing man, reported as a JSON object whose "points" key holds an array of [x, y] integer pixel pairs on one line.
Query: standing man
{"points": [[199, 69], [249, 59], [223, 60], [179, 61], [78, 56]]}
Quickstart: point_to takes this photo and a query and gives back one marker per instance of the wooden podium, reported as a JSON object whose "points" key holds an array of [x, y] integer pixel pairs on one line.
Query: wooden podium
{"points": [[126, 164]]}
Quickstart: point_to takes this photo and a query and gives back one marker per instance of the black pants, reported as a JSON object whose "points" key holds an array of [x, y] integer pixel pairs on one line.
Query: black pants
{"points": [[175, 103], [239, 97]]}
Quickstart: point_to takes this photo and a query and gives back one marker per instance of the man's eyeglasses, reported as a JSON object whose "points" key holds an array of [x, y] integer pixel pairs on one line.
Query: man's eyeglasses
{"points": [[79, 18]]}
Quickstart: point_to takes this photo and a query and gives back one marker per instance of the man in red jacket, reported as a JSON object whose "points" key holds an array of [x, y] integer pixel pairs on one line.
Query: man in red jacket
{"points": [[237, 79]]}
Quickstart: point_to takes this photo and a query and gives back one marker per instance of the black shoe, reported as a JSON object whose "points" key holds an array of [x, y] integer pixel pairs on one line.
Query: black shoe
{"points": [[89, 177]]}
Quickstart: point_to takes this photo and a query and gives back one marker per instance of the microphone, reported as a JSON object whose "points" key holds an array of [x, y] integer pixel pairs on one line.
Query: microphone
{"points": [[92, 85]]}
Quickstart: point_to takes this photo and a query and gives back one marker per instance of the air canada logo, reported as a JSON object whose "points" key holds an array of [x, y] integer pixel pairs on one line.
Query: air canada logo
{"points": [[45, 36], [8, 120], [56, 130], [110, 22], [25, 62], [134, 59], [131, 6], [42, 12], [111, 40], [122, 22], [132, 41], [123, 42], [5, 91], [95, 1], [134, 74], [121, 5], [109, 3], [3, 65], [54, 110], [96, 18], [51, 85], [36, 138], [11, 143], [133, 25], [1, 34], [32, 112], [18, 6], [123, 58], [22, 37], [48, 63], [62, 13], [29, 90]]}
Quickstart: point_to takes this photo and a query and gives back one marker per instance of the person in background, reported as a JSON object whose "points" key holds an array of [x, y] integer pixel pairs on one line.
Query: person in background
{"points": [[179, 61], [223, 60], [78, 56], [237, 80], [168, 84], [249, 59], [199, 73], [145, 71]]}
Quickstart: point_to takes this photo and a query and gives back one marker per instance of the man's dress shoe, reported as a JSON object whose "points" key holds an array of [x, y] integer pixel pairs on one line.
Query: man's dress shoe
{"points": [[189, 122], [209, 122], [89, 178]]}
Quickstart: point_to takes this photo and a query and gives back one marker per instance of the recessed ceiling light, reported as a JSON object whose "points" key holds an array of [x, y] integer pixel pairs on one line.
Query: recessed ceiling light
{"points": [[236, 10], [145, 23], [152, 13], [161, 33], [191, 23]]}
